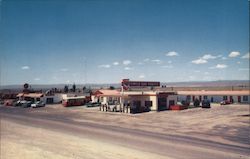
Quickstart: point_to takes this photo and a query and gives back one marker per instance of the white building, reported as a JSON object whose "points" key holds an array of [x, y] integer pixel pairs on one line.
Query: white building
{"points": [[215, 96], [46, 98]]}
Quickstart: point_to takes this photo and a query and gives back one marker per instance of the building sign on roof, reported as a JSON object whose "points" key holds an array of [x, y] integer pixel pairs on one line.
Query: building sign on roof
{"points": [[126, 83]]}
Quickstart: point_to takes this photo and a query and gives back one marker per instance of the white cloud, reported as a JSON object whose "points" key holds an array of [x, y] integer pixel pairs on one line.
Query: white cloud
{"points": [[142, 76], [208, 56], [104, 66], [206, 73], [197, 71], [238, 62], [140, 63], [146, 60], [127, 68], [157, 61], [207, 78], [172, 53], [64, 69], [221, 66], [191, 78], [223, 58], [167, 66], [169, 62], [246, 56], [25, 67], [126, 62], [234, 54], [37, 79], [68, 81], [199, 61], [116, 63], [204, 59]]}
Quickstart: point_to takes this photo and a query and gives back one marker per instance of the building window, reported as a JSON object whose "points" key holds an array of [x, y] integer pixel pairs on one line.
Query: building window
{"points": [[204, 97], [245, 98], [148, 103], [224, 97], [101, 99]]}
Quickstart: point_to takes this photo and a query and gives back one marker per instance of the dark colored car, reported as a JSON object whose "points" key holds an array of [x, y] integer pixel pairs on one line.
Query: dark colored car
{"points": [[93, 104], [139, 109], [185, 103], [134, 109], [1, 102], [205, 104], [196, 102]]}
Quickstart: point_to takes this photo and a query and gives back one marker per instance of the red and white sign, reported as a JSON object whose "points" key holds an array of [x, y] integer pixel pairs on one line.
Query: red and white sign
{"points": [[127, 84]]}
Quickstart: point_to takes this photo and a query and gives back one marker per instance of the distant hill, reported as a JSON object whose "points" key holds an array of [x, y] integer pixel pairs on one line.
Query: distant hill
{"points": [[226, 83]]}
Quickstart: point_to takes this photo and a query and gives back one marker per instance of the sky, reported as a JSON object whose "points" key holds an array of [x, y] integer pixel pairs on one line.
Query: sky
{"points": [[104, 41]]}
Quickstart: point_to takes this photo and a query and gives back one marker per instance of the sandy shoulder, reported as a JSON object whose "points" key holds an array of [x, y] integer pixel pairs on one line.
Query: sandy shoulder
{"points": [[19, 141]]}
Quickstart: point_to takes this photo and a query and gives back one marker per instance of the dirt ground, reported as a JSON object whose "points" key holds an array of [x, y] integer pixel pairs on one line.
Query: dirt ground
{"points": [[228, 124]]}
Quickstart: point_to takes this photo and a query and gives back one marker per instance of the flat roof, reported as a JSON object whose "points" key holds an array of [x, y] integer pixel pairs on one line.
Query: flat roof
{"points": [[31, 95], [78, 97], [106, 92], [129, 93]]}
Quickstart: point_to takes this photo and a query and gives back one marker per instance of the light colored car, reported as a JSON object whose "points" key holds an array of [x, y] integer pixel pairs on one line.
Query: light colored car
{"points": [[38, 104]]}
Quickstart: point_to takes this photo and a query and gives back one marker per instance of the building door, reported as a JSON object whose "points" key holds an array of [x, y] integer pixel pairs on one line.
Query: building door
{"points": [[136, 107], [162, 103], [212, 99], [193, 98], [231, 99], [49, 100], [239, 99]]}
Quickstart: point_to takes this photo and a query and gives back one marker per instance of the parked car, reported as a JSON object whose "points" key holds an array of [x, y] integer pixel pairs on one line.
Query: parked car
{"points": [[139, 109], [9, 102], [134, 109], [196, 102], [93, 104], [38, 104], [26, 104], [205, 104], [1, 102], [17, 103], [185, 102], [225, 102]]}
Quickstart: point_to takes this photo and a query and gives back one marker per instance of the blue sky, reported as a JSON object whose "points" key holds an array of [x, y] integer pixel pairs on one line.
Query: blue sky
{"points": [[103, 41]]}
